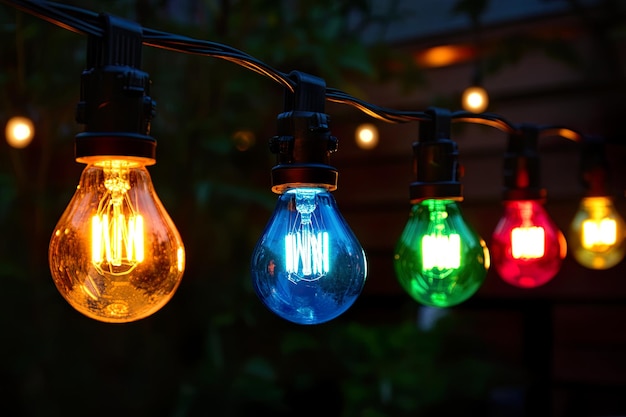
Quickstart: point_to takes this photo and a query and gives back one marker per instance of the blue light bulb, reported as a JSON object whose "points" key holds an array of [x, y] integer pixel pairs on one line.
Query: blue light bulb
{"points": [[308, 267]]}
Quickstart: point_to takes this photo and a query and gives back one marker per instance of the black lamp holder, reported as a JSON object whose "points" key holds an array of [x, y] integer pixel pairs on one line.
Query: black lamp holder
{"points": [[594, 172], [435, 160], [522, 169], [303, 143], [115, 105]]}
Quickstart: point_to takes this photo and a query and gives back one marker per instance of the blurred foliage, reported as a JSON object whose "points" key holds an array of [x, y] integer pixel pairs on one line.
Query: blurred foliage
{"points": [[510, 49], [213, 350]]}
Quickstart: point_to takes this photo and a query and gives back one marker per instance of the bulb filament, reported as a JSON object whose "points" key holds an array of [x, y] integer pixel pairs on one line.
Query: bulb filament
{"points": [[441, 250], [117, 230], [599, 233], [307, 248], [528, 242]]}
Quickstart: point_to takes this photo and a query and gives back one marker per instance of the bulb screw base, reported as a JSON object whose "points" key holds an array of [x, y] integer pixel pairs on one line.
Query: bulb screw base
{"points": [[115, 105]]}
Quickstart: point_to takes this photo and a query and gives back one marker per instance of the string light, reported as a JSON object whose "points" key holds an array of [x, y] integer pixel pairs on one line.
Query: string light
{"points": [[115, 254], [527, 247], [439, 260], [308, 267], [597, 232]]}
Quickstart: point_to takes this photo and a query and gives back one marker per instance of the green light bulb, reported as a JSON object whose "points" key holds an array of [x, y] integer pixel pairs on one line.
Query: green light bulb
{"points": [[440, 260]]}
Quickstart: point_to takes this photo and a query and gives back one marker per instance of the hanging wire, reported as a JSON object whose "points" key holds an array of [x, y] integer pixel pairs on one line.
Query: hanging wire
{"points": [[89, 23], [560, 131], [56, 14], [381, 113], [178, 43], [86, 22], [488, 119]]}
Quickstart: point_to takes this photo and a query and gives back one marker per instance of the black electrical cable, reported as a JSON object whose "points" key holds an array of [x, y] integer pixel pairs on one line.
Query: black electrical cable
{"points": [[385, 114], [488, 119], [188, 45], [560, 131], [86, 22], [51, 12]]}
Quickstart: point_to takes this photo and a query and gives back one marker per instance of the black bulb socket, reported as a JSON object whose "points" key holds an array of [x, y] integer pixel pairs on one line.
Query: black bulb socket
{"points": [[522, 166], [115, 104], [303, 143], [435, 161]]}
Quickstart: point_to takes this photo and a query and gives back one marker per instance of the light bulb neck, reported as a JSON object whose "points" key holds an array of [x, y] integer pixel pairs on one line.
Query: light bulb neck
{"points": [[115, 105], [438, 205], [303, 143]]}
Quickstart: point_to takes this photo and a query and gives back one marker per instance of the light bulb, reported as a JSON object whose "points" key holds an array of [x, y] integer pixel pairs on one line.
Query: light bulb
{"points": [[308, 267], [527, 247], [440, 260], [366, 136], [597, 234], [115, 254], [475, 99], [19, 132]]}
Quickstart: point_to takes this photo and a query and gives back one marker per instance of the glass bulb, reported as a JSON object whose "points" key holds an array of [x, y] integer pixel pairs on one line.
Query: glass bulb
{"points": [[308, 267], [527, 247], [440, 260], [115, 254], [597, 234]]}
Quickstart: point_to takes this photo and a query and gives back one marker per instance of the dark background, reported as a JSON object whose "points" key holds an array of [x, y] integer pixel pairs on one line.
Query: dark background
{"points": [[214, 350]]}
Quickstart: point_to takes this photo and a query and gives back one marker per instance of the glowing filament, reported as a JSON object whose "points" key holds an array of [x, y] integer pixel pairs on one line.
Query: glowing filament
{"points": [[441, 251], [307, 254], [180, 256], [117, 230], [528, 242], [599, 233], [116, 240]]}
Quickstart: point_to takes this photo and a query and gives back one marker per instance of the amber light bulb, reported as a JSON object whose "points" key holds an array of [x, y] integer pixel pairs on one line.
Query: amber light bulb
{"points": [[597, 234], [115, 254]]}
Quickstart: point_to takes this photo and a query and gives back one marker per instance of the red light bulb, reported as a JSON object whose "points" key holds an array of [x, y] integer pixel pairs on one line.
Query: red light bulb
{"points": [[527, 247]]}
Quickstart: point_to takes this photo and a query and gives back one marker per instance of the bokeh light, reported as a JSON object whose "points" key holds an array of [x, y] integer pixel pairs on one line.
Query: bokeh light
{"points": [[19, 132]]}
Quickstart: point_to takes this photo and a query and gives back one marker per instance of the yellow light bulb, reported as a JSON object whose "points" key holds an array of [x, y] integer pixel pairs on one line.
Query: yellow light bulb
{"points": [[597, 234], [19, 132], [475, 99], [115, 254]]}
